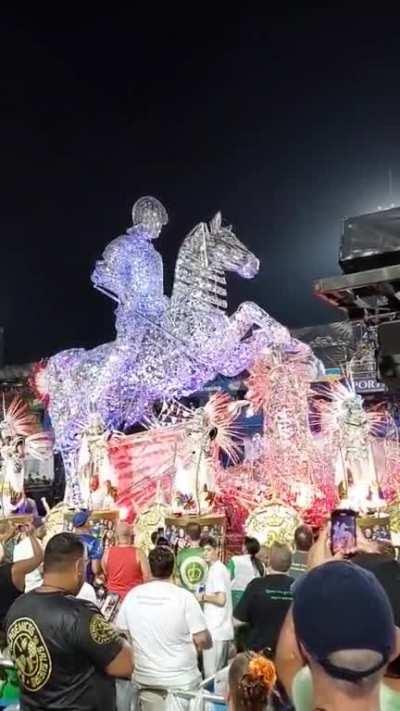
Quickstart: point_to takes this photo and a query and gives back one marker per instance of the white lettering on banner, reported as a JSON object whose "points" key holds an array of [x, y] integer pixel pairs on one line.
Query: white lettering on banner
{"points": [[369, 385]]}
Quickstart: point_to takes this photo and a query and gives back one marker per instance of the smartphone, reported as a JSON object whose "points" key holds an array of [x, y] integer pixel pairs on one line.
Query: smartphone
{"points": [[343, 530], [110, 606]]}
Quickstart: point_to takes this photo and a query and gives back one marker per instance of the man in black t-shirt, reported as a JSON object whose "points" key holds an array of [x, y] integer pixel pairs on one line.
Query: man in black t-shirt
{"points": [[65, 652], [265, 602]]}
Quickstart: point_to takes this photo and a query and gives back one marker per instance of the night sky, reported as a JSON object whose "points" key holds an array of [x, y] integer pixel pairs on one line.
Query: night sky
{"points": [[287, 122]]}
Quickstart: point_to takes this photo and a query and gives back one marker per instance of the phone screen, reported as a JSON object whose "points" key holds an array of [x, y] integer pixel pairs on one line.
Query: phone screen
{"points": [[343, 530]]}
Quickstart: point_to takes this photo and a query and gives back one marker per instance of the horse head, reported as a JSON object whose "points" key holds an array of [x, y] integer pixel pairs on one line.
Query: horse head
{"points": [[228, 253]]}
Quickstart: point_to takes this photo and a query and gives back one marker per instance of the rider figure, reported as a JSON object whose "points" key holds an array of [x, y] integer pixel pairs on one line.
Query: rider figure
{"points": [[131, 271]]}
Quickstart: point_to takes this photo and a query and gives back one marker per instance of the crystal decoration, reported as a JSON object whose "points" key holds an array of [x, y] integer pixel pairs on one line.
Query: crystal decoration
{"points": [[164, 347]]}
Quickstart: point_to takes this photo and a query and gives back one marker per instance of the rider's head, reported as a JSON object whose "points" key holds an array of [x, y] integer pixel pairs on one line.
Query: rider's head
{"points": [[149, 213]]}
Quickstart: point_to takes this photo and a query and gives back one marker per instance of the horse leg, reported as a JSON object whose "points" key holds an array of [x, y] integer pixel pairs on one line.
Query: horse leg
{"points": [[240, 359], [242, 323], [249, 315], [244, 354]]}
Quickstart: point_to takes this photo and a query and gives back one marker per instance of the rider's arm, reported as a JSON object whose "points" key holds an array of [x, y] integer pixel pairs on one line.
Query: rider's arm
{"points": [[106, 274]]}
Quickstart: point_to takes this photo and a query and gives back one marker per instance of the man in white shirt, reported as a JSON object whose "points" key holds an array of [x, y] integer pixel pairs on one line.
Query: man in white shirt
{"points": [[217, 601], [88, 593], [23, 550], [168, 630]]}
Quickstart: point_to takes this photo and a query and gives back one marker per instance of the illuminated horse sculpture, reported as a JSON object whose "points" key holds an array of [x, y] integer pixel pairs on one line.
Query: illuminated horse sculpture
{"points": [[164, 347]]}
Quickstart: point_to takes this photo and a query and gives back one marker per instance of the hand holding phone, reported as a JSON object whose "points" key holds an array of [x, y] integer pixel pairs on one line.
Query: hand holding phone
{"points": [[343, 531]]}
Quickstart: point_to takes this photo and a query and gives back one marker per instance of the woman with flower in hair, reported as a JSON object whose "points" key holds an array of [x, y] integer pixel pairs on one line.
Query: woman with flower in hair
{"points": [[252, 679]]}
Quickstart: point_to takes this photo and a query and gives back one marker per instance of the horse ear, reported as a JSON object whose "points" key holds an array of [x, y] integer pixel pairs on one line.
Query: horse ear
{"points": [[200, 230], [216, 222]]}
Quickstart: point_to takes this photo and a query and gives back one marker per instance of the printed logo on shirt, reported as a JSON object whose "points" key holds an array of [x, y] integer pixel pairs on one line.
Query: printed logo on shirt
{"points": [[274, 594], [193, 571], [30, 653], [101, 631]]}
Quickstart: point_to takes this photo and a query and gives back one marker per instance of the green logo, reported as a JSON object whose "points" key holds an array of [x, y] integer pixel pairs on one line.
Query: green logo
{"points": [[193, 571]]}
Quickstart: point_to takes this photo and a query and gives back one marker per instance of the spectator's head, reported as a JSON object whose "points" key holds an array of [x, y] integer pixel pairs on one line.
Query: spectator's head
{"points": [[162, 541], [387, 550], [193, 532], [345, 626], [80, 520], [303, 538], [124, 533], [40, 528], [64, 563], [162, 562], [252, 678], [263, 555], [280, 557], [210, 549], [251, 546]]}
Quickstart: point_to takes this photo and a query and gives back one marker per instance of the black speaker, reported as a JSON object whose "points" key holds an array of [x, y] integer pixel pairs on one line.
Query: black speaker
{"points": [[370, 241], [388, 356]]}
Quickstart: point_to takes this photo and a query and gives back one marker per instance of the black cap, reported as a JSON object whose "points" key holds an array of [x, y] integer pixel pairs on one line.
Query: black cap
{"points": [[81, 518], [337, 607]]}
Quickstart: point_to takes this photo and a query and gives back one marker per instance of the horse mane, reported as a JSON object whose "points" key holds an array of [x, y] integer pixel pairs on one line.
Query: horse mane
{"points": [[195, 275]]}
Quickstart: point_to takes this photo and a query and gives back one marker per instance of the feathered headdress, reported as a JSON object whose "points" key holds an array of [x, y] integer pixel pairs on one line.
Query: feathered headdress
{"points": [[218, 414], [19, 421]]}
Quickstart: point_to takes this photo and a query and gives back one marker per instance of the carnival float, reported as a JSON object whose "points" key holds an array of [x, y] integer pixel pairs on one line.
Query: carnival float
{"points": [[137, 444]]}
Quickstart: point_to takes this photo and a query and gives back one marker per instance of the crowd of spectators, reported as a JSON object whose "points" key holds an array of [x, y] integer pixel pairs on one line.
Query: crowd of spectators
{"points": [[297, 627]]}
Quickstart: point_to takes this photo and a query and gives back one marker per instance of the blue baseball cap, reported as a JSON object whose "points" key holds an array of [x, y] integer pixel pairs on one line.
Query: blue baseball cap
{"points": [[339, 606], [80, 518]]}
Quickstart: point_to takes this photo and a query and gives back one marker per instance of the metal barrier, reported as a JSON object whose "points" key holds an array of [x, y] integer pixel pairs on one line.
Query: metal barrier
{"points": [[208, 696]]}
